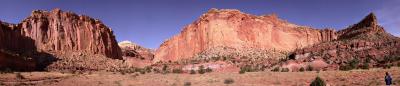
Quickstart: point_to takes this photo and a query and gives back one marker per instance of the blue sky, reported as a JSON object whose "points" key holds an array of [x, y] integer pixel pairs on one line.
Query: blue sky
{"points": [[150, 22]]}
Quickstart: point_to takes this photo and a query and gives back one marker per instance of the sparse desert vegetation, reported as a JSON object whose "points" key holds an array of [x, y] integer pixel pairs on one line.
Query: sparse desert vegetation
{"points": [[372, 76]]}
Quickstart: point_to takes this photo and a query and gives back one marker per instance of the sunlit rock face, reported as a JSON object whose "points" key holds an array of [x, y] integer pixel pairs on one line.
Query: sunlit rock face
{"points": [[234, 29], [58, 31], [131, 50], [365, 41]]}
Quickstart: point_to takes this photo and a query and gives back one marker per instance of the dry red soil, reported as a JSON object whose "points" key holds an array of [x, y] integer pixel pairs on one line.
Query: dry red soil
{"points": [[371, 77]]}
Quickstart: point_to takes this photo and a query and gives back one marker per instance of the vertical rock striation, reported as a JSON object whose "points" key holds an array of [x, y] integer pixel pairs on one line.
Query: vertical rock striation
{"points": [[58, 31], [234, 29]]}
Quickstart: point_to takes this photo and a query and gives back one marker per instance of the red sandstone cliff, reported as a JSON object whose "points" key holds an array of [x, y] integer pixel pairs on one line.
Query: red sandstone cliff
{"points": [[234, 29], [47, 36], [365, 41], [58, 31]]}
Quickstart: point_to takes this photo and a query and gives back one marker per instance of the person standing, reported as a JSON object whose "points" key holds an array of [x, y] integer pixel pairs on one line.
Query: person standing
{"points": [[388, 79]]}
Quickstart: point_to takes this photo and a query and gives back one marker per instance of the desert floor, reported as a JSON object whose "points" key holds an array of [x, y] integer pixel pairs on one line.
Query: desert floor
{"points": [[372, 77]]}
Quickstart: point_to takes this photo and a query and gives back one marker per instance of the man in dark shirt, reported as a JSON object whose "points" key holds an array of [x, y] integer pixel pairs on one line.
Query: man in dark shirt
{"points": [[388, 79]]}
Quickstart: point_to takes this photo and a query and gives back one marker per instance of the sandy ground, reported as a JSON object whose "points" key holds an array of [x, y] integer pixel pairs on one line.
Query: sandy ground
{"points": [[372, 77]]}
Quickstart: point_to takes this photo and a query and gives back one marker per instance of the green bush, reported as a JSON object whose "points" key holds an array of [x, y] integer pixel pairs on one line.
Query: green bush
{"points": [[276, 69], [242, 72], [309, 68], [285, 70], [187, 84], [19, 76], [302, 69], [201, 70], [178, 70], [208, 69], [318, 82], [398, 64], [192, 72], [228, 81], [365, 66], [345, 67], [246, 68]]}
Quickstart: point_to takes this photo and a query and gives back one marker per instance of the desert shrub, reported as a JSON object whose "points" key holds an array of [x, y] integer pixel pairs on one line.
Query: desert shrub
{"points": [[387, 66], [156, 70], [177, 70], [187, 84], [285, 70], [192, 72], [276, 69], [398, 64], [302, 69], [228, 81], [208, 69], [19, 76], [242, 72], [201, 70], [6, 70], [165, 69], [354, 63], [309, 68], [247, 68], [365, 65], [345, 67], [318, 82], [148, 69]]}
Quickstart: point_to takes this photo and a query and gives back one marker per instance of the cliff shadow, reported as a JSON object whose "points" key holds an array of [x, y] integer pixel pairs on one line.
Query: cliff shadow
{"points": [[21, 55]]}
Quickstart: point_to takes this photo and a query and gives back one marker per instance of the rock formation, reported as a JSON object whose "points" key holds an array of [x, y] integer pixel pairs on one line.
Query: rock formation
{"points": [[234, 29], [58, 31], [363, 41], [45, 36], [132, 50]]}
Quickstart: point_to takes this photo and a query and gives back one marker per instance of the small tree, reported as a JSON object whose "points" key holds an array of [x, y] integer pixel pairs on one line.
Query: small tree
{"points": [[201, 69], [302, 69], [276, 69], [309, 68], [228, 81], [192, 72], [208, 69], [318, 82], [242, 71], [177, 70], [285, 70]]}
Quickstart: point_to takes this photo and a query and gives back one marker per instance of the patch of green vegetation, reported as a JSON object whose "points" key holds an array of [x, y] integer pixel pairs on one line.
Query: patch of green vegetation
{"points": [[208, 70], [228, 81], [187, 84], [352, 64], [276, 69], [318, 82], [201, 69], [285, 70], [192, 72], [309, 68], [302, 69], [19, 76], [177, 70]]}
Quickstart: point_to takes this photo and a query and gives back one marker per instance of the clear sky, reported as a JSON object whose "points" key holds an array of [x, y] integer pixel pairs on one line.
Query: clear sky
{"points": [[150, 22]]}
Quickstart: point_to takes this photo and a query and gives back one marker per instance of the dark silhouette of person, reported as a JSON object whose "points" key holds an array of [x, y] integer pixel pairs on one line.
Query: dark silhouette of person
{"points": [[388, 79]]}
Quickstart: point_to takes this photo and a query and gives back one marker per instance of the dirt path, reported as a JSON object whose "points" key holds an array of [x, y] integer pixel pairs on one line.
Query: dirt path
{"points": [[333, 78]]}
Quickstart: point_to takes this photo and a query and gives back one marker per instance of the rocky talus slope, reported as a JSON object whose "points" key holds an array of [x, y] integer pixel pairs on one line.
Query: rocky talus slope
{"points": [[364, 44]]}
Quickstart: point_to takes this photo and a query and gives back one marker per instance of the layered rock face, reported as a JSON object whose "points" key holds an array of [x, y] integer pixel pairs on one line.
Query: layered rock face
{"points": [[131, 50], [234, 29], [58, 31], [45, 37], [363, 41]]}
